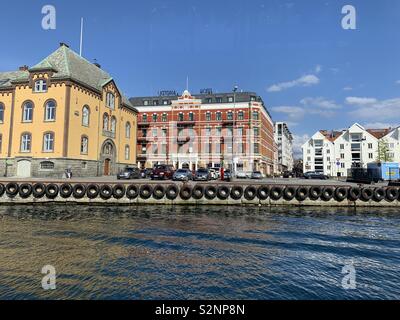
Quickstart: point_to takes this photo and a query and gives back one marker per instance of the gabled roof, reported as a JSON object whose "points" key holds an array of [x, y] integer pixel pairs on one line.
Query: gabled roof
{"points": [[331, 135], [67, 64], [379, 133], [6, 78]]}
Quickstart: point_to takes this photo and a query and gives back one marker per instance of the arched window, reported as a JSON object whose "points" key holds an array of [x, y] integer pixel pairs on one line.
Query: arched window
{"points": [[113, 124], [26, 142], [85, 116], [41, 86], [110, 100], [84, 145], [50, 111], [27, 112], [105, 122], [48, 142], [127, 152], [128, 130], [1, 113]]}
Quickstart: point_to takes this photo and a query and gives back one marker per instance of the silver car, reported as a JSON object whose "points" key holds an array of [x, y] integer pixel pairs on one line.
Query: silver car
{"points": [[182, 175]]}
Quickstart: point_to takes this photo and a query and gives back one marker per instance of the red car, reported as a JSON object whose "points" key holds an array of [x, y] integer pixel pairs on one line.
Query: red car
{"points": [[162, 172]]}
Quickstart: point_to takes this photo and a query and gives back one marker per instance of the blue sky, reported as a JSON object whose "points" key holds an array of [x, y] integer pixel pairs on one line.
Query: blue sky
{"points": [[295, 54]]}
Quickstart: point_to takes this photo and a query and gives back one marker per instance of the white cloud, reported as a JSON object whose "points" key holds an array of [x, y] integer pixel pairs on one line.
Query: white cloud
{"points": [[304, 81], [298, 141], [347, 88], [377, 111], [379, 125], [320, 102], [398, 82], [292, 112], [318, 69], [360, 101]]}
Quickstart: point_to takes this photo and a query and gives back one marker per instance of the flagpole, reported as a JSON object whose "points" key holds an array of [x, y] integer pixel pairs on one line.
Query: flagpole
{"points": [[81, 40]]}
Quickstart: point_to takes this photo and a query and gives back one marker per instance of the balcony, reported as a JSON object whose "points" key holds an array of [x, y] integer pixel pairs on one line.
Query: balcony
{"points": [[109, 134], [143, 124], [186, 123]]}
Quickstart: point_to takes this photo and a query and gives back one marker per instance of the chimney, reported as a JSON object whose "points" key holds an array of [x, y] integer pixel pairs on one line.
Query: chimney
{"points": [[97, 64], [24, 68], [63, 44]]}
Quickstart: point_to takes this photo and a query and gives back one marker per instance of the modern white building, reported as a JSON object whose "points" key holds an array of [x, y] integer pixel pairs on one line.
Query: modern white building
{"points": [[335, 152], [284, 141]]}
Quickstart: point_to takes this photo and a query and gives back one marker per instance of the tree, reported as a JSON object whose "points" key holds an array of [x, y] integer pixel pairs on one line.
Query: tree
{"points": [[383, 152]]}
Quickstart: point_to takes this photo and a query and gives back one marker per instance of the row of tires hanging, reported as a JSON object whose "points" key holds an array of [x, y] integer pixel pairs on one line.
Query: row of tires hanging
{"points": [[198, 192]]}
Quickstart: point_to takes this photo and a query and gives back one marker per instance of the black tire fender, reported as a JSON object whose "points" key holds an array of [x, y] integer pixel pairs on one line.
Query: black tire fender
{"points": [[12, 189], [66, 190], [78, 191], [223, 192], [392, 194], [172, 192], [39, 190], [379, 194], [250, 193], [52, 191], [25, 190], [289, 193], [132, 192], [210, 192], [354, 193], [145, 191], [263, 192], [92, 191], [2, 189], [186, 192], [367, 194], [198, 192], [302, 193], [276, 193], [237, 192], [118, 191], [341, 193], [158, 192]]}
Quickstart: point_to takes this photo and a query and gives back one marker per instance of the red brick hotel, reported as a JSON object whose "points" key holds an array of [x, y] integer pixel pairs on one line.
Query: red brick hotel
{"points": [[232, 130]]}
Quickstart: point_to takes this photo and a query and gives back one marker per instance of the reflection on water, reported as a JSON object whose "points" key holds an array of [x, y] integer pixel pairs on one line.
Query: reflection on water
{"points": [[202, 252]]}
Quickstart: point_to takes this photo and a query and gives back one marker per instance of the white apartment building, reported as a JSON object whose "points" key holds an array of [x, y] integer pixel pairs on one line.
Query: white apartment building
{"points": [[334, 153], [284, 141]]}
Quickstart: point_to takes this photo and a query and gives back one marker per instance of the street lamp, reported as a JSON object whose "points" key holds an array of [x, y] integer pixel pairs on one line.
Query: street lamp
{"points": [[235, 89]]}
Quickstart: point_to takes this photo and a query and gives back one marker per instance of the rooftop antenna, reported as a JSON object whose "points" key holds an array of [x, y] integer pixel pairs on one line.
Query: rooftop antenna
{"points": [[81, 41]]}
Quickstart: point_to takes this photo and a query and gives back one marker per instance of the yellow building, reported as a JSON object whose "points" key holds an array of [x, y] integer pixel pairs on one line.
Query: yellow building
{"points": [[64, 113]]}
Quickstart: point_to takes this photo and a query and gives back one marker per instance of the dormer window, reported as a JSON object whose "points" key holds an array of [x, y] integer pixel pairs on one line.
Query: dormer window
{"points": [[110, 100], [41, 86]]}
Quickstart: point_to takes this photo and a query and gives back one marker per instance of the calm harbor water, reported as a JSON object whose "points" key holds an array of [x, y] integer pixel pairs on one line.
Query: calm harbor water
{"points": [[198, 252]]}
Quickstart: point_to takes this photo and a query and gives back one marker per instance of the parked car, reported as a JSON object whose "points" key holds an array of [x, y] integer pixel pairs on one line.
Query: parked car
{"points": [[249, 174], [162, 172], [288, 174], [241, 175], [315, 175], [129, 173], [202, 175], [228, 175], [256, 175], [214, 174], [182, 175], [146, 173], [217, 172]]}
